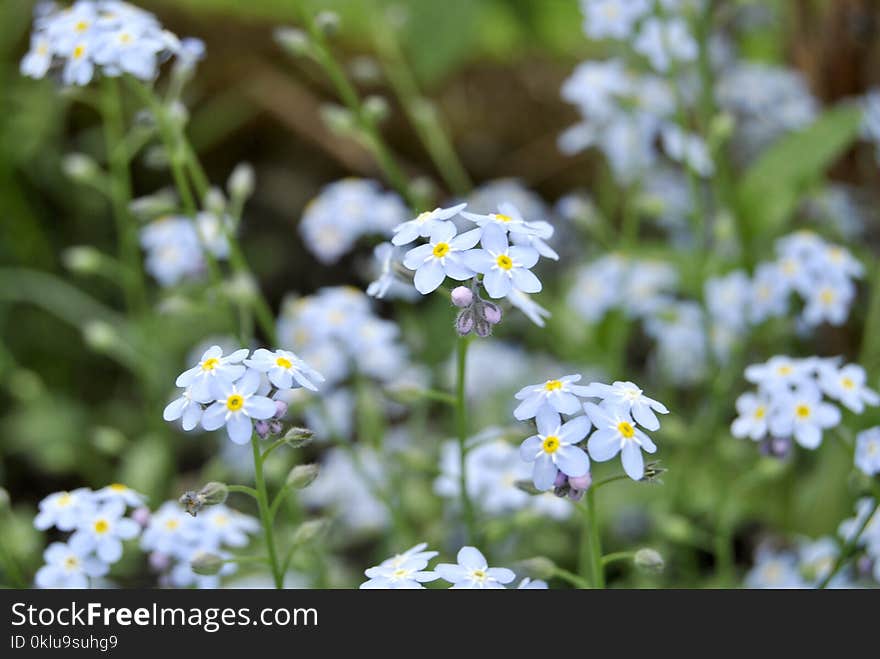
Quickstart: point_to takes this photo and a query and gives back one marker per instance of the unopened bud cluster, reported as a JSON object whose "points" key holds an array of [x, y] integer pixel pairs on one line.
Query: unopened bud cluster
{"points": [[477, 315]]}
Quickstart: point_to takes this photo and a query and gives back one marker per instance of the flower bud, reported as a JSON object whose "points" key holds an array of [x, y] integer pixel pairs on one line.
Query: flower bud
{"points": [[491, 312], [464, 323], [142, 516], [561, 479], [81, 259], [581, 482], [262, 429], [301, 476], [293, 40], [375, 109], [159, 561], [99, 335], [159, 203], [482, 328], [206, 564], [215, 202], [280, 409], [241, 181], [462, 296], [80, 167], [214, 493], [649, 560], [327, 22], [538, 567], [653, 472], [298, 437], [308, 531]]}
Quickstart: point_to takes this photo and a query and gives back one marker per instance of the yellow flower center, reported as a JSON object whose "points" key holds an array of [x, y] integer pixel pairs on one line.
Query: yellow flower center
{"points": [[65, 500], [802, 411], [71, 562], [81, 26], [504, 262], [221, 520], [102, 526], [479, 575], [503, 218], [235, 402], [553, 385], [79, 51], [441, 250], [283, 362], [399, 573], [625, 428], [125, 37], [172, 524], [551, 444], [118, 487], [42, 49], [210, 364], [848, 383], [760, 412], [423, 216], [784, 370], [827, 296]]}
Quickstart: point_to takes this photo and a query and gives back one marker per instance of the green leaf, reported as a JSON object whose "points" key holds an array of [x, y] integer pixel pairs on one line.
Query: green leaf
{"points": [[772, 187]]}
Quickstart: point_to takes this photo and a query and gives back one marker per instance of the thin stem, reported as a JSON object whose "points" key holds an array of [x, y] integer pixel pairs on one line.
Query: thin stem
{"points": [[607, 559], [571, 578], [120, 194], [462, 431], [606, 481], [265, 519], [592, 523], [244, 489], [850, 547]]}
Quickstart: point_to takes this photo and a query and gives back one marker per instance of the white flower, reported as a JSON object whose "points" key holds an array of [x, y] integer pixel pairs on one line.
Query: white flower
{"points": [[779, 373], [64, 510], [442, 257], [803, 415], [406, 574], [532, 584], [533, 311], [104, 530], [129, 48], [424, 224], [616, 433], [509, 220], [213, 369], [614, 19], [775, 570], [171, 531], [413, 553], [185, 408], [629, 397], [829, 301], [473, 572], [868, 451], [67, 568], [665, 42], [120, 492], [754, 415], [560, 395], [236, 404], [283, 367], [39, 58], [503, 267], [847, 385], [225, 526], [553, 448]]}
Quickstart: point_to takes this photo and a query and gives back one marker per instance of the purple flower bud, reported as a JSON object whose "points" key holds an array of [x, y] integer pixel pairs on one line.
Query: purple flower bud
{"points": [[464, 323], [262, 429], [462, 296], [280, 409], [141, 516], [581, 482], [492, 313], [483, 328], [575, 495], [275, 427], [159, 561], [561, 479]]}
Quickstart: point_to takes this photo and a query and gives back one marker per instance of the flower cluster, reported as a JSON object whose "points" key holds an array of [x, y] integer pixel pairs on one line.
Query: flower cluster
{"points": [[109, 36], [617, 418], [239, 391], [471, 572], [175, 541], [343, 212], [99, 525], [494, 470], [175, 245], [789, 403]]}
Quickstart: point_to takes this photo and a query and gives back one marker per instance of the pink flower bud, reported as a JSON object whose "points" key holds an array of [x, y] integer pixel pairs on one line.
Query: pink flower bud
{"points": [[141, 516], [462, 296], [561, 479], [581, 482], [280, 409], [159, 561], [492, 313], [464, 323]]}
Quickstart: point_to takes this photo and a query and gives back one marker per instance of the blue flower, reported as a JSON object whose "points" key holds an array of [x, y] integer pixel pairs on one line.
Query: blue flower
{"points": [[236, 405], [616, 432], [503, 267], [441, 257], [473, 572], [553, 448]]}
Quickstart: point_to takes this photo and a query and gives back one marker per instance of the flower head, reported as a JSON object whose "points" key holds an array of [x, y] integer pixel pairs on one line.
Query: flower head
{"points": [[283, 368], [558, 394], [236, 405], [504, 267], [553, 448], [441, 257], [424, 224], [616, 432], [473, 572]]}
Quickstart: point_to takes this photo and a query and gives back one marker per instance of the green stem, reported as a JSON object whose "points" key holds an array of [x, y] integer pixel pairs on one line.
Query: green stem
{"points": [[850, 547], [571, 578], [595, 541], [462, 432], [120, 194], [244, 489], [265, 519], [607, 559]]}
